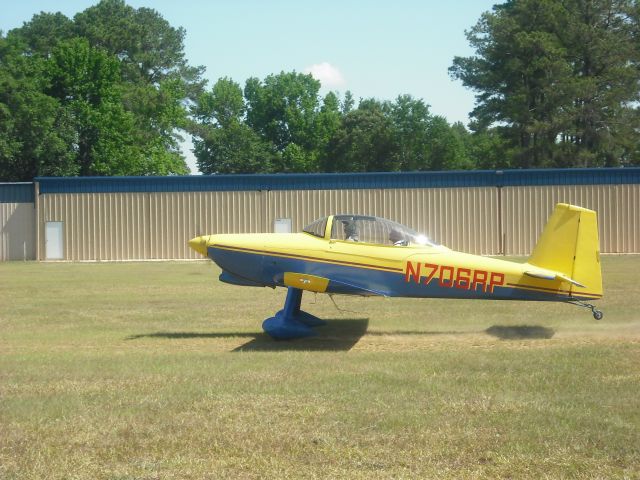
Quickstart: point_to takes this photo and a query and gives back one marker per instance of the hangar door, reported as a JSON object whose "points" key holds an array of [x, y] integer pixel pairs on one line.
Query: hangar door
{"points": [[53, 240]]}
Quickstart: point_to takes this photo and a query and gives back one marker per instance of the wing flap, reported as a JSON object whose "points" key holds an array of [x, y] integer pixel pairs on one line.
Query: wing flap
{"points": [[304, 281], [314, 283]]}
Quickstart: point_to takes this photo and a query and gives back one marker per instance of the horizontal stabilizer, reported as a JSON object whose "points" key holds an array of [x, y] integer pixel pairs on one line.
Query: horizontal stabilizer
{"points": [[553, 276], [571, 280], [541, 275]]}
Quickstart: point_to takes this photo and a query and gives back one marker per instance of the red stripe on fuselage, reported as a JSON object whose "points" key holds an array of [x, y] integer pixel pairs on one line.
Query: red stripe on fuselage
{"points": [[554, 290]]}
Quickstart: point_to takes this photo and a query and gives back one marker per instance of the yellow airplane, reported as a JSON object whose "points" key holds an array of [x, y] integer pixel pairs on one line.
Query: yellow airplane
{"points": [[365, 255]]}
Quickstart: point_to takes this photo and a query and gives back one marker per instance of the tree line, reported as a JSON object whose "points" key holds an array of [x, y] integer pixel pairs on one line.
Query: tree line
{"points": [[281, 124], [110, 92]]}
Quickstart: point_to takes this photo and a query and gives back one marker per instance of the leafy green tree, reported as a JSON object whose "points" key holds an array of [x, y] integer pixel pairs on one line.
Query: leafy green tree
{"points": [[34, 133], [328, 124], [365, 143], [447, 150], [424, 141], [223, 143], [488, 149], [106, 93], [223, 105], [294, 158], [411, 120], [85, 80], [284, 110], [232, 149], [158, 83]]}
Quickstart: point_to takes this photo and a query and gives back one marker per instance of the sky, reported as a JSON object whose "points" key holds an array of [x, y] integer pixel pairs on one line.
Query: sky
{"points": [[374, 49]]}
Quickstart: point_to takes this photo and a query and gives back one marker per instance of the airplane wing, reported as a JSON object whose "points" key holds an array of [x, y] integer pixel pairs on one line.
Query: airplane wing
{"points": [[313, 283]]}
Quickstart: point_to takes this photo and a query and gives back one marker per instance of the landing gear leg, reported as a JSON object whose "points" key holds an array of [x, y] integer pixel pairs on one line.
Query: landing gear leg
{"points": [[291, 322], [597, 314]]}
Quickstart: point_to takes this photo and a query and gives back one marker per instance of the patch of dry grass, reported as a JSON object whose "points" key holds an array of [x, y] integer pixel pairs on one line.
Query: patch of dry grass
{"points": [[157, 370]]}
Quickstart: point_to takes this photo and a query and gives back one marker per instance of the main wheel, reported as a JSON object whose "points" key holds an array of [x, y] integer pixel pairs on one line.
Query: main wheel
{"points": [[597, 314]]}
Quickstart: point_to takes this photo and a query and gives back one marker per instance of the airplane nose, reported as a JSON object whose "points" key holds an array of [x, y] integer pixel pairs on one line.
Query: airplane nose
{"points": [[199, 244]]}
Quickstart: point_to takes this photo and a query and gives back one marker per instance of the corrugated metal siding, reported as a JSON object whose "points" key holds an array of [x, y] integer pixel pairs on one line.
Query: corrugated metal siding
{"points": [[99, 226], [17, 231], [464, 219], [134, 226], [110, 226], [626, 225], [177, 217], [526, 210], [131, 226], [469, 219], [461, 218]]}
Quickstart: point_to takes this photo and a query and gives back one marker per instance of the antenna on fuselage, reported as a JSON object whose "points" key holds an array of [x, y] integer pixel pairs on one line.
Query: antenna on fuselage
{"points": [[338, 308]]}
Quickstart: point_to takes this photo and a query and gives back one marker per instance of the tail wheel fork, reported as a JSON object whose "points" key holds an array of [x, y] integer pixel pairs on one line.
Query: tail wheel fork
{"points": [[597, 314]]}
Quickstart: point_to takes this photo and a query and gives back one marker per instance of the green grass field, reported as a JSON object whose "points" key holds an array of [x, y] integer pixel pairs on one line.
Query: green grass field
{"points": [[159, 371]]}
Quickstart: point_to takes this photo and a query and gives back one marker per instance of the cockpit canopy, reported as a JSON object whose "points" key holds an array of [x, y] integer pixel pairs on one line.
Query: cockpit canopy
{"points": [[367, 229]]}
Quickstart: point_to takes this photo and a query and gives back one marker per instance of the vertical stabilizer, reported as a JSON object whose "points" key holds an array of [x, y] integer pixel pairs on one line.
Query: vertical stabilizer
{"points": [[569, 245]]}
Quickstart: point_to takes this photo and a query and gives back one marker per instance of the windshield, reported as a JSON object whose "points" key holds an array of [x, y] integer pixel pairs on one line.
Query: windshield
{"points": [[317, 228], [361, 228]]}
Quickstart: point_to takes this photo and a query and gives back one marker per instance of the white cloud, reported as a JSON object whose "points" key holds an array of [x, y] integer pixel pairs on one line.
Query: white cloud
{"points": [[328, 75]]}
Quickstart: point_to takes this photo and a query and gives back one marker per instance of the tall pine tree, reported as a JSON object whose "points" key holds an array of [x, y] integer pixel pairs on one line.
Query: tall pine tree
{"points": [[560, 78]]}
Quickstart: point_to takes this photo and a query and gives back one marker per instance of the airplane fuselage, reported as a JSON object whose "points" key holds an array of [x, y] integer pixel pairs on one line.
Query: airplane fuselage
{"points": [[411, 271]]}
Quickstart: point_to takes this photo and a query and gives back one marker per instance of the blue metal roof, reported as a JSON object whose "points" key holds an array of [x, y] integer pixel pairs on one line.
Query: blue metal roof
{"points": [[331, 181], [16, 193], [569, 176]]}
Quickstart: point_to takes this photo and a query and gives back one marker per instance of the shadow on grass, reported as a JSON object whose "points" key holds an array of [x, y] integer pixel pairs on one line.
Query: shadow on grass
{"points": [[179, 335], [519, 332], [336, 335], [416, 332]]}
